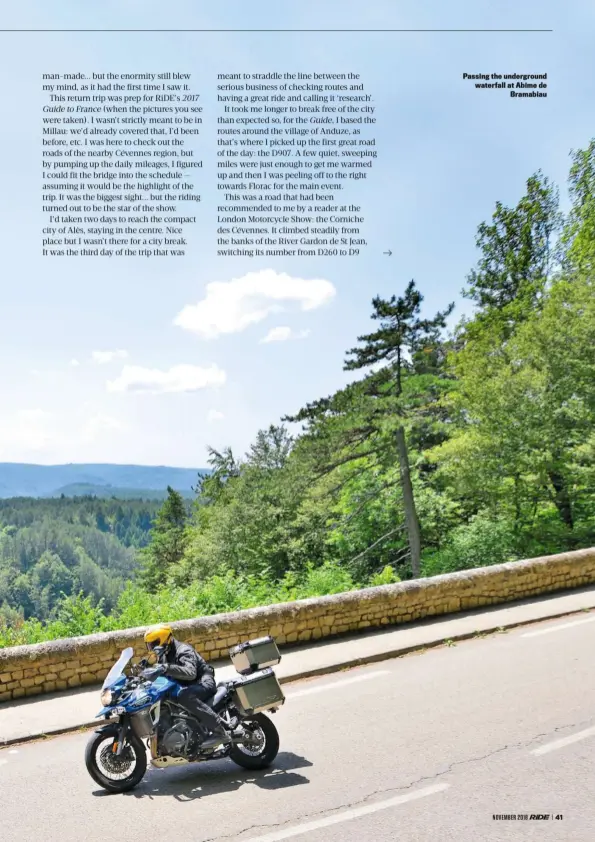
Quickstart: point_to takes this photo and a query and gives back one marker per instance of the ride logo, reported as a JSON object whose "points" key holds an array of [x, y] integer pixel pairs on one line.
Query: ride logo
{"points": [[539, 817]]}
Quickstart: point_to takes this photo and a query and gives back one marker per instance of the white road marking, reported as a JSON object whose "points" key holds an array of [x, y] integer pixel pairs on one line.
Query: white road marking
{"points": [[565, 741], [14, 751], [336, 685], [551, 629], [348, 815]]}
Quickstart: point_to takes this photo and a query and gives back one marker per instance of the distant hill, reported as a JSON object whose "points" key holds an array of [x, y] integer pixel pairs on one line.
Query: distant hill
{"points": [[87, 489], [74, 480]]}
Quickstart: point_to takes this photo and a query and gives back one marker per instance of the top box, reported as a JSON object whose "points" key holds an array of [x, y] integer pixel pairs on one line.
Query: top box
{"points": [[255, 655]]}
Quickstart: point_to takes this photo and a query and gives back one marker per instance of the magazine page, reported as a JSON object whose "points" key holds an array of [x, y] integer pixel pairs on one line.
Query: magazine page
{"points": [[297, 324]]}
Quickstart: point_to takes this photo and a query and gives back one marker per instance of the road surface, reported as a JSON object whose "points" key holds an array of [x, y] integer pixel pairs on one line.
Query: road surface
{"points": [[430, 746]]}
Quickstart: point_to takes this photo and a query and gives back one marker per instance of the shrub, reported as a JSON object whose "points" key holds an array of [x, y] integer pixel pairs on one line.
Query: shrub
{"points": [[385, 577], [479, 543]]}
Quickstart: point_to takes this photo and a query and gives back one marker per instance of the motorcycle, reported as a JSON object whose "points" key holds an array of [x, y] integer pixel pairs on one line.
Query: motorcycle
{"points": [[141, 713]]}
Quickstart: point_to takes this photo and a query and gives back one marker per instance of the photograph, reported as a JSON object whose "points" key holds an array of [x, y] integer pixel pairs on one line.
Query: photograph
{"points": [[297, 421]]}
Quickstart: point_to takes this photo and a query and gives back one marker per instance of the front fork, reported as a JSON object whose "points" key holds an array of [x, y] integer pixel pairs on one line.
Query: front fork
{"points": [[118, 730], [120, 738]]}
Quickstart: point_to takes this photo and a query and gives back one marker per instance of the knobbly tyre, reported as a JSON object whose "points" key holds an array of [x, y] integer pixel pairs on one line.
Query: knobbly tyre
{"points": [[142, 712]]}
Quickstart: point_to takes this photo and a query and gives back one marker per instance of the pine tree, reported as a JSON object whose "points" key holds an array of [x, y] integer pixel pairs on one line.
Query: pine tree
{"points": [[398, 344], [168, 541]]}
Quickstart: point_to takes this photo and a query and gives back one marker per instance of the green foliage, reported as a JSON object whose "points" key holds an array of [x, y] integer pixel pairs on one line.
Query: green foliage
{"points": [[483, 541], [387, 576], [226, 591], [516, 254], [364, 425], [54, 546], [579, 231], [367, 532], [168, 541], [254, 516], [78, 615], [525, 411]]}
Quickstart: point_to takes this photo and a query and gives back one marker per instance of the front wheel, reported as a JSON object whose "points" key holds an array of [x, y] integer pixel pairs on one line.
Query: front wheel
{"points": [[115, 773], [263, 747]]}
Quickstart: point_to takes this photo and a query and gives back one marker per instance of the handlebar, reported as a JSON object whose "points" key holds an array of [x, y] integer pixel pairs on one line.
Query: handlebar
{"points": [[137, 669]]}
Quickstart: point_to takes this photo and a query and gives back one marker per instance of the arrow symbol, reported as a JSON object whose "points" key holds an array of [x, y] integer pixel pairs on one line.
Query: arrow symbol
{"points": [[389, 252]]}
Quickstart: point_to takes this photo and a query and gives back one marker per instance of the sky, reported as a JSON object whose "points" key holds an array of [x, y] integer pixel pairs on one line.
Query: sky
{"points": [[150, 361]]}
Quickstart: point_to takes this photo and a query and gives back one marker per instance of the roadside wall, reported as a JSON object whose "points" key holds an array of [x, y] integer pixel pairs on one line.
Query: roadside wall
{"points": [[61, 664]]}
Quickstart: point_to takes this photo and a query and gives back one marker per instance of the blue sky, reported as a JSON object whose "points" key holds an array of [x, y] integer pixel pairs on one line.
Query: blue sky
{"points": [[446, 154]]}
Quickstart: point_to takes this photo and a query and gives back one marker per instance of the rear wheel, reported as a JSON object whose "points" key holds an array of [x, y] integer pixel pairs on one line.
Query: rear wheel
{"points": [[115, 773], [263, 746]]}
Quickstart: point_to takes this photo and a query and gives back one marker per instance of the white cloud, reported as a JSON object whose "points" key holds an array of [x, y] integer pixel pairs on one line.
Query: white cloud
{"points": [[104, 357], [215, 415], [98, 424], [282, 334], [232, 306], [25, 431], [74, 363], [179, 378]]}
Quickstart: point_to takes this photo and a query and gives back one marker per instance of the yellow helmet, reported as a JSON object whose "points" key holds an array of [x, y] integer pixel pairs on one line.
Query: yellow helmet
{"points": [[161, 635]]}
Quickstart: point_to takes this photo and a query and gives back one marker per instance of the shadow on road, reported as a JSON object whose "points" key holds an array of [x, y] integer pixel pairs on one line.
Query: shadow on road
{"points": [[199, 780]]}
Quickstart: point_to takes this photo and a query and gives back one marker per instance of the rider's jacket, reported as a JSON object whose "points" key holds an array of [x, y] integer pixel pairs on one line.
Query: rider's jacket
{"points": [[184, 664]]}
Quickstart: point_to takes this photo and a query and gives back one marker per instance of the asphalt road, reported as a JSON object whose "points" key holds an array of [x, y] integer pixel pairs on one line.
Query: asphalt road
{"points": [[426, 747]]}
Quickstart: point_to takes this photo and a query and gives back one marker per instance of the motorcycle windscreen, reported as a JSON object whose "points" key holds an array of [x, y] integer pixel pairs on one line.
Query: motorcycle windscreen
{"points": [[118, 668]]}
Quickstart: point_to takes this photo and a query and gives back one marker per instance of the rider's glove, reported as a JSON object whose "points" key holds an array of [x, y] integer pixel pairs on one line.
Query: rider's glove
{"points": [[153, 672]]}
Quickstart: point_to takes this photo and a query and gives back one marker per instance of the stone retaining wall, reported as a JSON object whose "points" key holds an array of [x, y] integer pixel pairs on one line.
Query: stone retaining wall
{"points": [[61, 664]]}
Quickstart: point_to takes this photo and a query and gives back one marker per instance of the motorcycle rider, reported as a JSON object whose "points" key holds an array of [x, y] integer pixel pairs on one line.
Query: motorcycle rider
{"points": [[182, 663]]}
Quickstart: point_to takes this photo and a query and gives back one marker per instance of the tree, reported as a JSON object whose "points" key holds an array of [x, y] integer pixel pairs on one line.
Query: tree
{"points": [[271, 449], [400, 340], [168, 541], [512, 285], [525, 420], [364, 425], [517, 255], [365, 533], [224, 468], [49, 580], [579, 232], [250, 516]]}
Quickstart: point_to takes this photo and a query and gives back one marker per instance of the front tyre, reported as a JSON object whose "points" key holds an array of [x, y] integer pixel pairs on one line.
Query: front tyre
{"points": [[262, 749], [112, 772]]}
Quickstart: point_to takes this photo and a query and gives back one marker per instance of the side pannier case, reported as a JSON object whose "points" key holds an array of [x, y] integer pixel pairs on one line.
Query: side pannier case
{"points": [[255, 655], [258, 692]]}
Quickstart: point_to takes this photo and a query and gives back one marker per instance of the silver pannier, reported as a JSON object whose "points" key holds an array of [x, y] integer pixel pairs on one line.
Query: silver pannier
{"points": [[255, 655], [258, 692]]}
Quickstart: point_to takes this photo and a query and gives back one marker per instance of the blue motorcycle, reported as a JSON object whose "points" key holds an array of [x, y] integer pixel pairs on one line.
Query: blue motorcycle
{"points": [[142, 712]]}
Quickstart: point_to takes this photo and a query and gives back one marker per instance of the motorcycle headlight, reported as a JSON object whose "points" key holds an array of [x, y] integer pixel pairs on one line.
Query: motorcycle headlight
{"points": [[107, 698]]}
